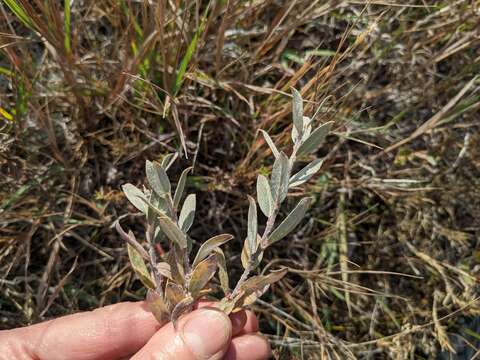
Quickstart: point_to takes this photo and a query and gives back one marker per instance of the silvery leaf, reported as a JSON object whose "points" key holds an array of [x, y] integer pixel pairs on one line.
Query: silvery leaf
{"points": [[270, 143], [279, 179], [157, 178], [187, 214], [315, 140], [290, 222], [168, 160], [211, 244], [297, 110], [252, 226], [135, 196], [202, 274], [180, 187], [164, 269], [307, 127], [264, 195], [306, 173], [173, 232]]}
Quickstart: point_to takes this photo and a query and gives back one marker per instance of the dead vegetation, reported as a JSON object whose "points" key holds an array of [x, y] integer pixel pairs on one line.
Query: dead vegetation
{"points": [[387, 264]]}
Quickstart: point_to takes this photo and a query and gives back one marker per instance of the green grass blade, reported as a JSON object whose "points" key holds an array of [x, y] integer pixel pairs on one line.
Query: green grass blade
{"points": [[67, 26], [190, 52], [19, 12]]}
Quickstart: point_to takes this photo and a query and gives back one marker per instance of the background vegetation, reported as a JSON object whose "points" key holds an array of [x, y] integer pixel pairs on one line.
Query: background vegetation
{"points": [[387, 266]]}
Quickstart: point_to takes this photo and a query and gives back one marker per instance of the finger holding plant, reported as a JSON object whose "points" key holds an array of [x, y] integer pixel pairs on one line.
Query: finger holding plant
{"points": [[174, 283]]}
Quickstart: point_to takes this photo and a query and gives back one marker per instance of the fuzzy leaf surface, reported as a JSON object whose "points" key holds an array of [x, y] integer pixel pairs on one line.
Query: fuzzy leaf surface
{"points": [[210, 245], [306, 173], [315, 140], [135, 196], [290, 222], [187, 215], [172, 231], [264, 195]]}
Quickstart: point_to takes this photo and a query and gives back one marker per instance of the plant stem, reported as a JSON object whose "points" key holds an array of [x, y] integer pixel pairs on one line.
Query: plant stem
{"points": [[153, 258], [268, 229]]}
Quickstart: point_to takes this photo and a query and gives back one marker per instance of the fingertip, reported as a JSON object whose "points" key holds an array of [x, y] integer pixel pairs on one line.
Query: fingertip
{"points": [[207, 333], [249, 347], [238, 319], [251, 323]]}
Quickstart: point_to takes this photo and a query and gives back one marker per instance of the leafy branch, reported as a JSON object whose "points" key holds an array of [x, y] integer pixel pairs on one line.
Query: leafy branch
{"points": [[174, 283]]}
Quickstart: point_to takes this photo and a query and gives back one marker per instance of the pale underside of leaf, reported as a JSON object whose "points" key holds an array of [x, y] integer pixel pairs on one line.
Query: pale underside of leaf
{"points": [[164, 269], [290, 222], [211, 244], [187, 214], [180, 187], [264, 195], [306, 173], [168, 160], [172, 231], [252, 225], [297, 112], [279, 179], [270, 143], [135, 196], [157, 178], [315, 140]]}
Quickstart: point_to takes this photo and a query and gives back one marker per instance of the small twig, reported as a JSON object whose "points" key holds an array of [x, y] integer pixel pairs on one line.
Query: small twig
{"points": [[131, 241]]}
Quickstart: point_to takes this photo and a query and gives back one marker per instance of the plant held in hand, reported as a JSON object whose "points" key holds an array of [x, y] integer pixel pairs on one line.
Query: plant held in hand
{"points": [[174, 282]]}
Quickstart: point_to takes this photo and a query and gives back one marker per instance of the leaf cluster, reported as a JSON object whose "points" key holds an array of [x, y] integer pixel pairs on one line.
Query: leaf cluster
{"points": [[174, 282]]}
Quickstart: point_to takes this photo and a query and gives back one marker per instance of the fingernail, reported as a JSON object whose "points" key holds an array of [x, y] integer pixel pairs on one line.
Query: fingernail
{"points": [[207, 333]]}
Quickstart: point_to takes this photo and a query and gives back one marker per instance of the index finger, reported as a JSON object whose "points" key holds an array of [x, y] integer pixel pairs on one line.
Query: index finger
{"points": [[110, 332]]}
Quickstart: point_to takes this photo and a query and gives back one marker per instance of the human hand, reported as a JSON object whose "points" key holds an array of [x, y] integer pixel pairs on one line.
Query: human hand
{"points": [[129, 331]]}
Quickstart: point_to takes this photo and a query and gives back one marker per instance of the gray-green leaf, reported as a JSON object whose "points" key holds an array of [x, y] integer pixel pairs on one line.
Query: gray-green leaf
{"points": [[187, 214], [252, 226], [306, 173], [135, 196], [270, 143], [315, 140], [211, 244], [297, 110], [168, 160], [290, 222], [280, 178], [180, 187], [172, 231], [157, 178], [264, 195]]}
